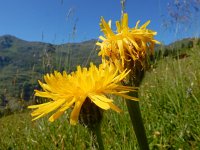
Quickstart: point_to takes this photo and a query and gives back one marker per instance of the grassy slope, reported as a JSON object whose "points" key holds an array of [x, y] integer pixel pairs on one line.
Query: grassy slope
{"points": [[170, 106], [170, 95]]}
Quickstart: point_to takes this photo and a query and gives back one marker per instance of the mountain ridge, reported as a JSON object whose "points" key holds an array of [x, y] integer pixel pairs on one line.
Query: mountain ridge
{"points": [[23, 40]]}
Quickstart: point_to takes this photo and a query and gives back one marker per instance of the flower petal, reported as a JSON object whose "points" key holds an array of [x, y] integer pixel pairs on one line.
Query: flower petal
{"points": [[75, 113], [114, 107], [99, 101], [61, 110]]}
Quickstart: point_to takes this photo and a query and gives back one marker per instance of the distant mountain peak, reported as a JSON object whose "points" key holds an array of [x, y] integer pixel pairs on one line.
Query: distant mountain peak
{"points": [[8, 37]]}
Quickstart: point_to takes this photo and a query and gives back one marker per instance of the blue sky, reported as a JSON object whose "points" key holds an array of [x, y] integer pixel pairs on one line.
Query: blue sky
{"points": [[54, 20]]}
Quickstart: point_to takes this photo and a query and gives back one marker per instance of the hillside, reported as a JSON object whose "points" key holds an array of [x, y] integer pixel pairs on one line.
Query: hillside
{"points": [[22, 63], [169, 101], [177, 47]]}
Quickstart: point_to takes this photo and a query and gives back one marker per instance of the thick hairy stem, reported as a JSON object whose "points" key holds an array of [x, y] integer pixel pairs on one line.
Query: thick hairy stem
{"points": [[135, 79]]}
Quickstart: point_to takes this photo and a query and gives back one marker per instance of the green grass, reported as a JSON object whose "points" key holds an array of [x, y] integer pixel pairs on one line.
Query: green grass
{"points": [[171, 103], [170, 107]]}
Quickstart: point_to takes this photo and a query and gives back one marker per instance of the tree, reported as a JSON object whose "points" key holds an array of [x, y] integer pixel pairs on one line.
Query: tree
{"points": [[3, 100], [27, 91]]}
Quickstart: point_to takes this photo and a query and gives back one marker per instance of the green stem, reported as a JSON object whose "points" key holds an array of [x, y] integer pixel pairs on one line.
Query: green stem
{"points": [[96, 133], [136, 118]]}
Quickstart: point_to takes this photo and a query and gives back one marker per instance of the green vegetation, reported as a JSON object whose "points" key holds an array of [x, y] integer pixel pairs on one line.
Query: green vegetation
{"points": [[170, 99], [170, 107], [176, 48]]}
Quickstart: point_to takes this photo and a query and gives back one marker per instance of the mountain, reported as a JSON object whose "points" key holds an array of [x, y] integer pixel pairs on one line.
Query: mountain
{"points": [[20, 53], [22, 63]]}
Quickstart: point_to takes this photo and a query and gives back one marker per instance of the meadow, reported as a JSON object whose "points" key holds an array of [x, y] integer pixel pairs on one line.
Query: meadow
{"points": [[169, 101]]}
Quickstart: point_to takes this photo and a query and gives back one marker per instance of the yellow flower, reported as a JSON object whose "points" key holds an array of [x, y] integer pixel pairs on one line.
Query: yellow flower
{"points": [[71, 90], [127, 44]]}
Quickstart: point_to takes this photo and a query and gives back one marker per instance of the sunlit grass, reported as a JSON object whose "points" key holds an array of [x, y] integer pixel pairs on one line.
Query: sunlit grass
{"points": [[171, 101]]}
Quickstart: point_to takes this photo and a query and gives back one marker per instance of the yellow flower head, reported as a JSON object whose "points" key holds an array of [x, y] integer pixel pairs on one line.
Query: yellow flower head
{"points": [[127, 44], [71, 90]]}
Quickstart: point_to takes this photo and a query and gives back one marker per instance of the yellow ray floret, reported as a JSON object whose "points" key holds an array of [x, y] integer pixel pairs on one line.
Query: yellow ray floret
{"points": [[127, 43], [67, 90]]}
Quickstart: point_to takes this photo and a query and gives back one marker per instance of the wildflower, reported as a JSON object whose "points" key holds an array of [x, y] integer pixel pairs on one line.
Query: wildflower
{"points": [[129, 48], [81, 89], [128, 44]]}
